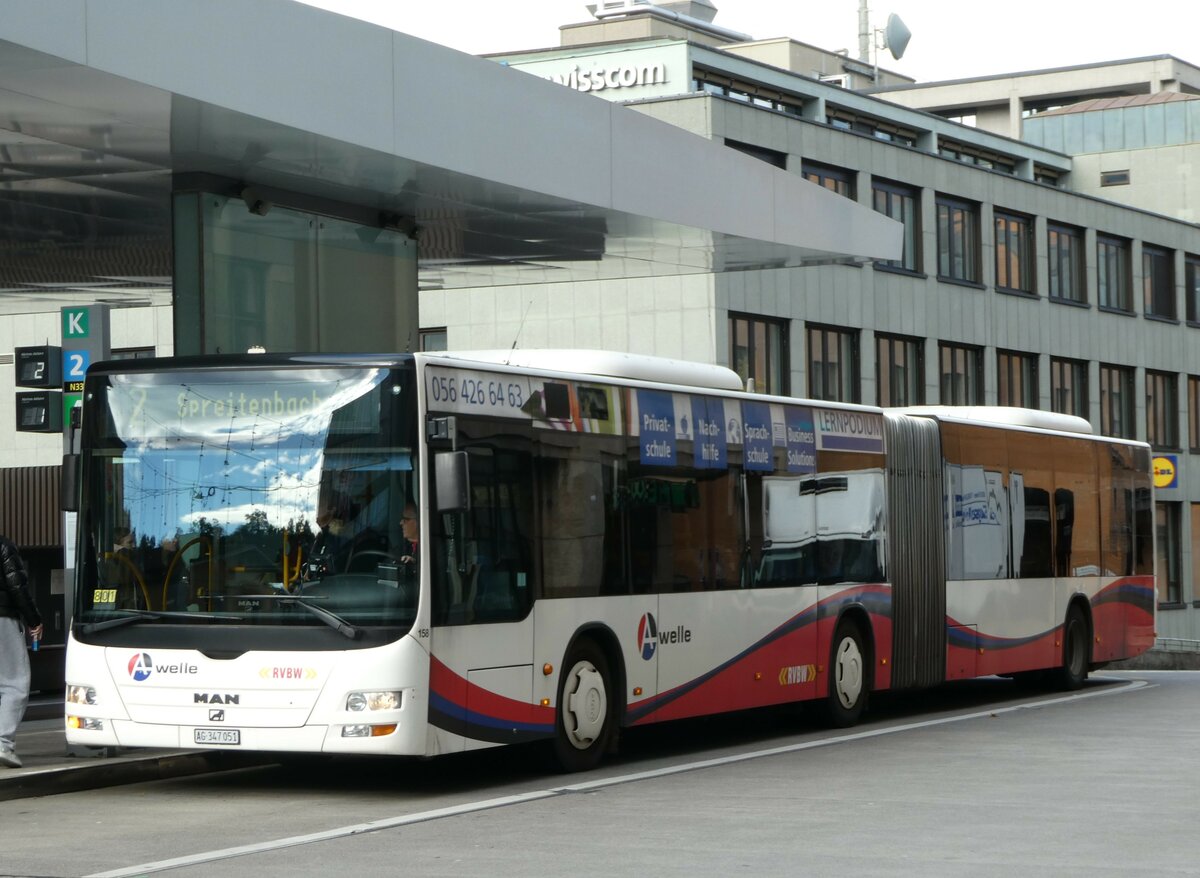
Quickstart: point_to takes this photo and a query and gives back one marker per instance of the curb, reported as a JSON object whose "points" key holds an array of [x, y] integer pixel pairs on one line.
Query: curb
{"points": [[122, 770]]}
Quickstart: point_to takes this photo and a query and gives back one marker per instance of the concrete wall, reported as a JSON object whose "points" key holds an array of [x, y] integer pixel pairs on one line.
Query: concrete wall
{"points": [[1165, 179], [669, 316]]}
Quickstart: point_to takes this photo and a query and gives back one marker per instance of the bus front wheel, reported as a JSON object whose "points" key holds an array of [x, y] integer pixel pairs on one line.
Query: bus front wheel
{"points": [[848, 684], [585, 708]]}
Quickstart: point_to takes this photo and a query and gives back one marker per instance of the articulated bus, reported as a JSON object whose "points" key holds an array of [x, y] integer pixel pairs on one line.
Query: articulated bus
{"points": [[428, 553]]}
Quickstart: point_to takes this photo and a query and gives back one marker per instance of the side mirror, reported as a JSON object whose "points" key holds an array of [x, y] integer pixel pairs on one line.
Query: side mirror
{"points": [[68, 486], [452, 481]]}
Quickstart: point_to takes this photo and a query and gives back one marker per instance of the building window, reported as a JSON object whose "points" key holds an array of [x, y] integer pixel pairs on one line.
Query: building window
{"points": [[1116, 402], [1168, 561], [833, 364], [433, 339], [131, 353], [837, 180], [973, 155], [758, 352], [901, 204], [1158, 283], [1191, 287], [899, 370], [846, 120], [1069, 387], [1114, 178], [1162, 410], [1014, 253], [1017, 379], [958, 241], [1065, 246], [961, 370], [1193, 391], [1113, 281], [1195, 553]]}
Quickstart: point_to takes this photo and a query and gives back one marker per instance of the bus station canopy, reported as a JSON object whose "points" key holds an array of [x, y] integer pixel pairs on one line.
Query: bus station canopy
{"points": [[508, 178]]}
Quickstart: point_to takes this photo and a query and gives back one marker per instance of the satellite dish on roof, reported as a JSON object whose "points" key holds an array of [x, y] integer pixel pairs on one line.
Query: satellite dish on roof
{"points": [[896, 36]]}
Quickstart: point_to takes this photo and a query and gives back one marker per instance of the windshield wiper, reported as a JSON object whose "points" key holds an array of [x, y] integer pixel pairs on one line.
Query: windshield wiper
{"points": [[330, 618], [136, 616]]}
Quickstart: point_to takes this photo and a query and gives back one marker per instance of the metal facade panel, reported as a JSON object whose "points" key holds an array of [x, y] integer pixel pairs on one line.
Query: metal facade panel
{"points": [[29, 510]]}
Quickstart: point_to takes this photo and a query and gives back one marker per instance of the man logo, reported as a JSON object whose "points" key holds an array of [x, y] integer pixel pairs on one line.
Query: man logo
{"points": [[140, 666], [216, 716], [647, 636]]}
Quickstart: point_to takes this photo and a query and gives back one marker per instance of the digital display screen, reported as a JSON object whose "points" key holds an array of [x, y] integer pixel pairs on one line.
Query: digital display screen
{"points": [[31, 370], [38, 366], [33, 415], [39, 411]]}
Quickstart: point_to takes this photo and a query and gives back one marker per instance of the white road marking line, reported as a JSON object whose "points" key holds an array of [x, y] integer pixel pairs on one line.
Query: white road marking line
{"points": [[585, 786]]}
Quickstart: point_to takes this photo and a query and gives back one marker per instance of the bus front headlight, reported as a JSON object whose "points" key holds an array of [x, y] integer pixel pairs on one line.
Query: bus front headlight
{"points": [[81, 695], [360, 701]]}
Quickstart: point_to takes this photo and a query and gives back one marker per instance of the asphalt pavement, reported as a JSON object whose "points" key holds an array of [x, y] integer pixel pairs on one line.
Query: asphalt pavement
{"points": [[51, 767]]}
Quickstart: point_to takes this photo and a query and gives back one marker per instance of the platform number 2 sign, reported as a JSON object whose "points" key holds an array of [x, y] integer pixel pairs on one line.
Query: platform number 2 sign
{"points": [[75, 365]]}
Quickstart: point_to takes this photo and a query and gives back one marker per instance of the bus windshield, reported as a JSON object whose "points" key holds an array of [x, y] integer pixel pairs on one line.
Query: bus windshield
{"points": [[249, 495]]}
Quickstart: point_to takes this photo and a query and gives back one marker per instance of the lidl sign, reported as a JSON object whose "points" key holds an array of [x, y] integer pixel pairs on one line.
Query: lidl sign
{"points": [[1166, 471]]}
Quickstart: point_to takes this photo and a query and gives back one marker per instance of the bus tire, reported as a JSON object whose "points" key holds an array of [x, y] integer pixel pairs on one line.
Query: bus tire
{"points": [[848, 670], [586, 708], [1075, 641]]}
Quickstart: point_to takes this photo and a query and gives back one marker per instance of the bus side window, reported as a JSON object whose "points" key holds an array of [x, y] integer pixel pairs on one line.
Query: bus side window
{"points": [[1035, 560]]}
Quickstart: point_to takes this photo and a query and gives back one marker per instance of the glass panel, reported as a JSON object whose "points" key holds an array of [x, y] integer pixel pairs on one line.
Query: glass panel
{"points": [[1065, 270], [898, 374], [761, 372], [900, 206], [1113, 274], [944, 242], [758, 350], [977, 488], [1191, 289], [366, 288], [292, 281], [246, 258], [1194, 413], [1076, 508], [740, 342], [1162, 427], [1068, 387], [218, 495], [1167, 554], [1195, 518]]}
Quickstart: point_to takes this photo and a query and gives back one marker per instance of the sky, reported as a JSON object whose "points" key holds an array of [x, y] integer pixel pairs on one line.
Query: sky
{"points": [[950, 40]]}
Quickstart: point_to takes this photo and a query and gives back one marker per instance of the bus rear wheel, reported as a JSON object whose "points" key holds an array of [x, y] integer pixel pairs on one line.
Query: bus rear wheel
{"points": [[1075, 657], [848, 685], [586, 713]]}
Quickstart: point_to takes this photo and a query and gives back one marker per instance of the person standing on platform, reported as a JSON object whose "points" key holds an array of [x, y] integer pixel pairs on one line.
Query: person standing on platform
{"points": [[18, 612]]}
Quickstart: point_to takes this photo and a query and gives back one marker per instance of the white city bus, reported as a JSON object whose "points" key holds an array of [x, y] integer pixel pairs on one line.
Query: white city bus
{"points": [[421, 554]]}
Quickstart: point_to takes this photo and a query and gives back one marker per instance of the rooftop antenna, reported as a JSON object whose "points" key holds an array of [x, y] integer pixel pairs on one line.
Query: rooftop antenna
{"points": [[894, 37], [517, 337]]}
